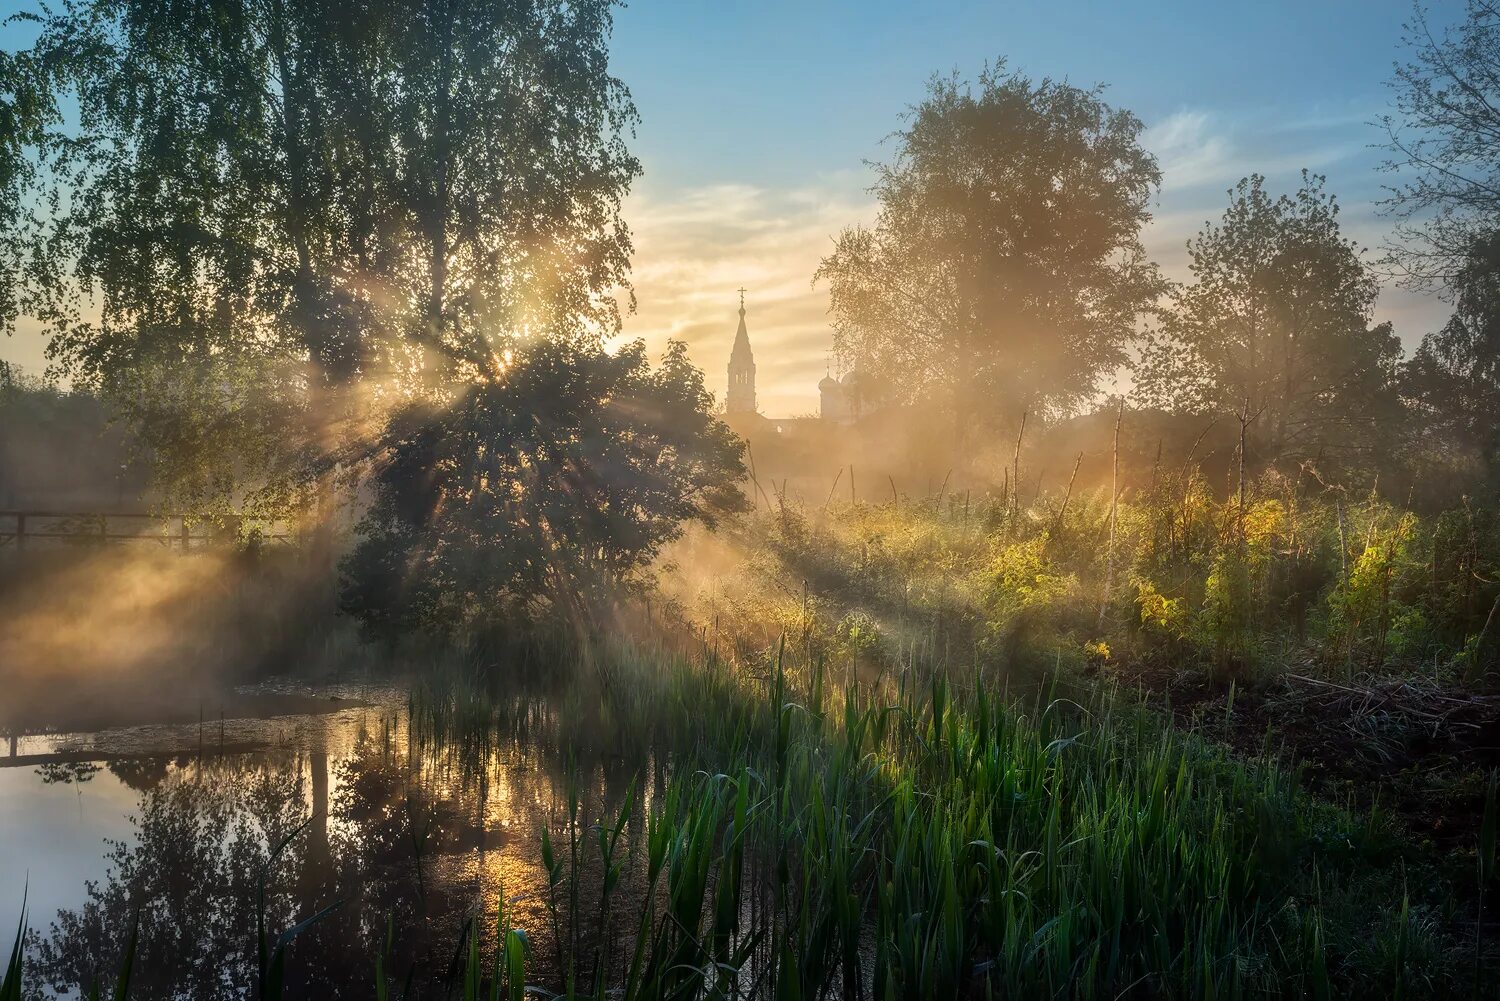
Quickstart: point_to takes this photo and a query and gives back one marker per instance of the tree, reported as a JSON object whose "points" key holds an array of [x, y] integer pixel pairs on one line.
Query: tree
{"points": [[540, 492], [1452, 382], [1004, 272], [26, 108], [1277, 323], [1445, 142], [286, 214]]}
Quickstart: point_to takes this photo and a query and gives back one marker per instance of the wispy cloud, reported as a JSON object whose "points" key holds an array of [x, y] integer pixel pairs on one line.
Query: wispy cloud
{"points": [[696, 247], [1203, 149], [1203, 153], [1189, 150]]}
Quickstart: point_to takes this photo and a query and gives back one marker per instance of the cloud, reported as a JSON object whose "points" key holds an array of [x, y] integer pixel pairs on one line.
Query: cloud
{"points": [[696, 247], [1189, 152], [1204, 153]]}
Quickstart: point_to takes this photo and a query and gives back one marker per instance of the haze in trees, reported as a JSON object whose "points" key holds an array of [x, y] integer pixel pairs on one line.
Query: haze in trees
{"points": [[1276, 325], [284, 215], [1452, 382], [540, 493], [1005, 271]]}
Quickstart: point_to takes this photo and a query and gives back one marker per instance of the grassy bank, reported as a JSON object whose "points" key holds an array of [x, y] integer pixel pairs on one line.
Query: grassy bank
{"points": [[916, 837], [1278, 575], [935, 749], [920, 837]]}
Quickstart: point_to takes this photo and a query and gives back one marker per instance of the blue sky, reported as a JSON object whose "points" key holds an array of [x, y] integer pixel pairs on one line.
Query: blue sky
{"points": [[757, 117], [778, 91]]}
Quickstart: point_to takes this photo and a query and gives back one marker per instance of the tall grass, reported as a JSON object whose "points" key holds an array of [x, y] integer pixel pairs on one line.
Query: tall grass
{"points": [[929, 839], [1294, 573], [920, 837], [887, 806]]}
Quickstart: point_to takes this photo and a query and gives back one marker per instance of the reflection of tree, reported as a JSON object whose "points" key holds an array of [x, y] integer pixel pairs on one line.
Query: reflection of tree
{"points": [[141, 774], [203, 833], [67, 772], [202, 839]]}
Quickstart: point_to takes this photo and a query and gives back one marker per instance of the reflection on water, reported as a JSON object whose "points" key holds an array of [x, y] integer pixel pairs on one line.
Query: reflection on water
{"points": [[413, 835]]}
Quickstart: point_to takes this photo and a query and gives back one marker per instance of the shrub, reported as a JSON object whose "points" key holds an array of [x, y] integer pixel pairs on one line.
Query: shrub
{"points": [[544, 490]]}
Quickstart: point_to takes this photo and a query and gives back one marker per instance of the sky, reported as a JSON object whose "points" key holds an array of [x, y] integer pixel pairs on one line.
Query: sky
{"points": [[758, 117]]}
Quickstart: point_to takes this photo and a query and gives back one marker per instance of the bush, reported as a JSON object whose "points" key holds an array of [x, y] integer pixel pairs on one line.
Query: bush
{"points": [[544, 491]]}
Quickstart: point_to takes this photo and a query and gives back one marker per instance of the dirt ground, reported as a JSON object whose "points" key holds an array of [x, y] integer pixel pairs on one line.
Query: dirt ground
{"points": [[1418, 751]]}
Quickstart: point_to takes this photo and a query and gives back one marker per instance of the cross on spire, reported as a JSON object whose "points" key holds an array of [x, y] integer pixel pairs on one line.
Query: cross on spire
{"points": [[742, 298]]}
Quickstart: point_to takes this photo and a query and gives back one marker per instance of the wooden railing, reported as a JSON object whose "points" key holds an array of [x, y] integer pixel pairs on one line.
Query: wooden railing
{"points": [[85, 527]]}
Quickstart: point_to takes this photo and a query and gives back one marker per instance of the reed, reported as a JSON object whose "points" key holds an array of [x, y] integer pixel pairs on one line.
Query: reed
{"points": [[945, 824], [937, 840]]}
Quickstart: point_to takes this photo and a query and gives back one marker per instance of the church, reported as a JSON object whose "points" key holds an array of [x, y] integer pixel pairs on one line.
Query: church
{"points": [[838, 399], [889, 443]]}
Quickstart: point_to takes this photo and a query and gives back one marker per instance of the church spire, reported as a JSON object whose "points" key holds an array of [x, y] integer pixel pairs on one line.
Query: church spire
{"points": [[741, 396]]}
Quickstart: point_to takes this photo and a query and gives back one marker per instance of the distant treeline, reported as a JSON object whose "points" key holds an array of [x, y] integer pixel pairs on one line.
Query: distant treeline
{"points": [[60, 452], [1005, 281], [287, 249]]}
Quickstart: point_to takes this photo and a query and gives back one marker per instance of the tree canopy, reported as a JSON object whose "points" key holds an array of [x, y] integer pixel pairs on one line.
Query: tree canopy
{"points": [[1452, 382], [1444, 141], [1276, 325], [1005, 270], [542, 490], [268, 215]]}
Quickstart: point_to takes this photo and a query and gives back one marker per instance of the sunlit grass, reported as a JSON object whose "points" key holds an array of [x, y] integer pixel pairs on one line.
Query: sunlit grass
{"points": [[929, 839]]}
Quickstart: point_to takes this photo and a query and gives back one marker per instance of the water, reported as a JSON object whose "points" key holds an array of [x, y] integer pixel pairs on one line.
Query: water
{"points": [[409, 835]]}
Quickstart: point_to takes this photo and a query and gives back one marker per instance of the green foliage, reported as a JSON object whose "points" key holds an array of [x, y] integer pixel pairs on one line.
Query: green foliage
{"points": [[1360, 605], [540, 493], [1276, 325], [1163, 617], [1297, 575], [28, 108], [1226, 616], [958, 296], [1452, 383], [1021, 581], [320, 211], [935, 841]]}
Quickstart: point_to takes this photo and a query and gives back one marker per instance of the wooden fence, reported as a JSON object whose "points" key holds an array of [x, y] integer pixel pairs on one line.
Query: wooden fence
{"points": [[103, 528]]}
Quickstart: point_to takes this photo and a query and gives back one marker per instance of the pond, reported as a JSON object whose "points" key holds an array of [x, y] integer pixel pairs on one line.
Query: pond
{"points": [[409, 835]]}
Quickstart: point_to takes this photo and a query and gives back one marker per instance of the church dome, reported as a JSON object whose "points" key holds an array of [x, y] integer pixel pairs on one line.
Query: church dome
{"points": [[827, 383]]}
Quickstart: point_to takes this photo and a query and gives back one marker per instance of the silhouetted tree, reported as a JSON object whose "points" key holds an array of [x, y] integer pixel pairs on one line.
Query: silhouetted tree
{"points": [[1277, 322], [277, 205], [1452, 382], [540, 489], [1005, 270], [1445, 143], [26, 108]]}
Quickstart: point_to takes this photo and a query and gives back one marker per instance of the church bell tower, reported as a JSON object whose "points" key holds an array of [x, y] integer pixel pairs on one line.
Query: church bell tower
{"points": [[741, 396]]}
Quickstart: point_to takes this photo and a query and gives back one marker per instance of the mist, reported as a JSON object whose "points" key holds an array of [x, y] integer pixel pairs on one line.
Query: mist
{"points": [[373, 609]]}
